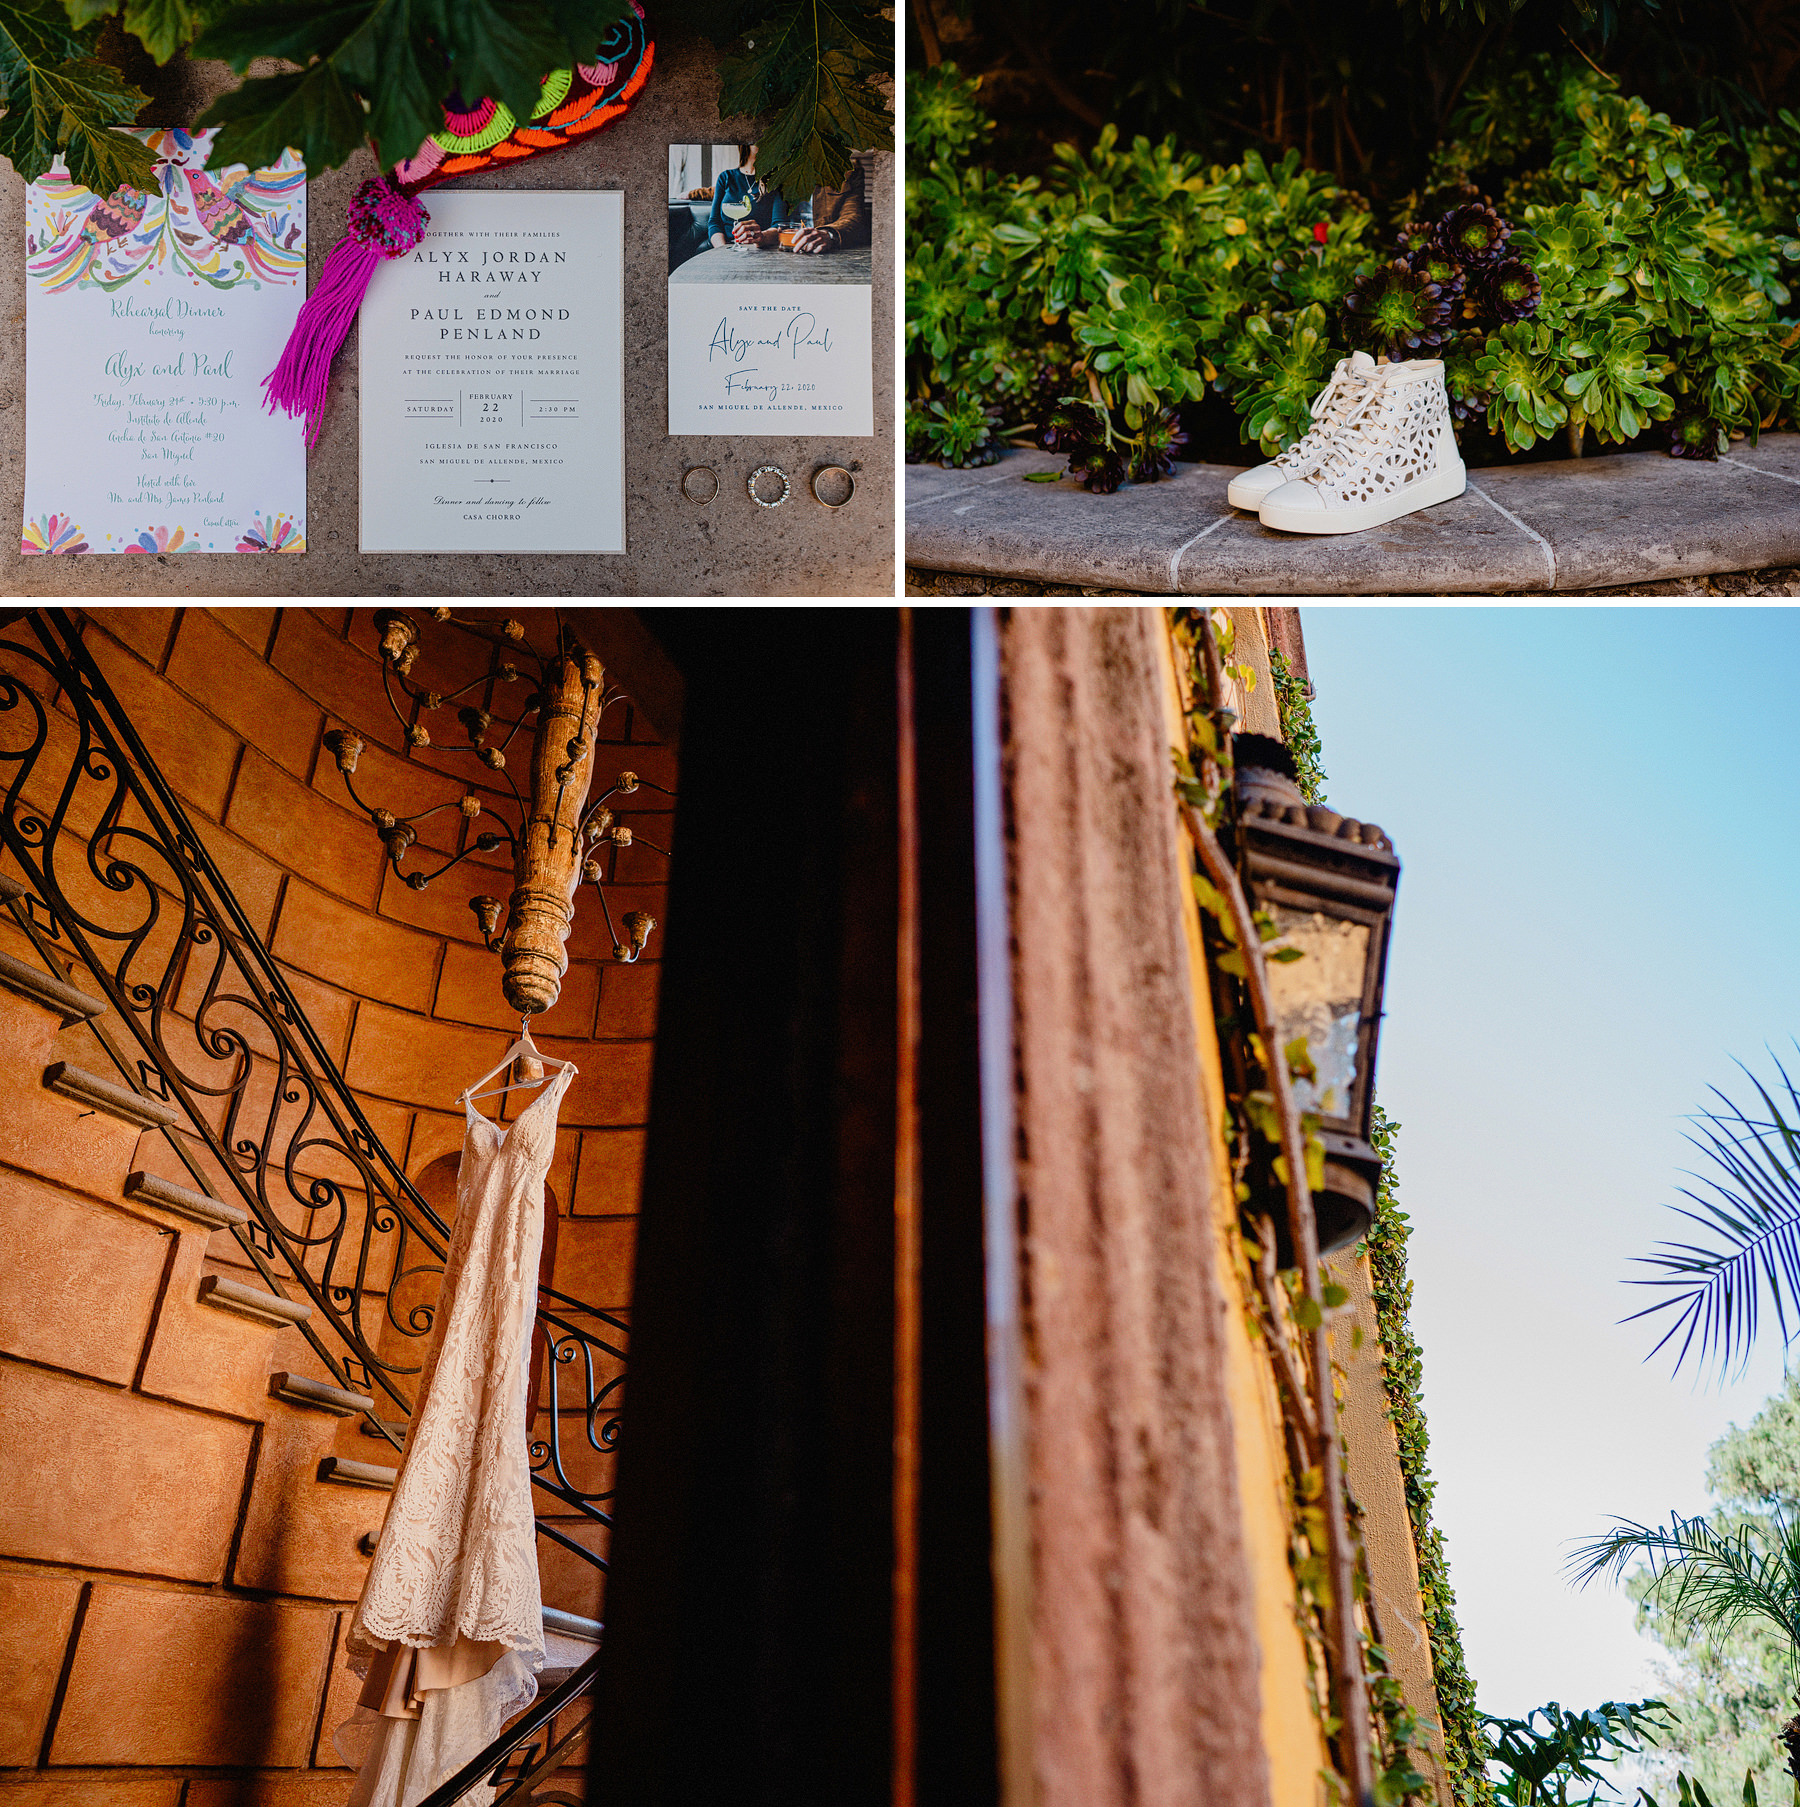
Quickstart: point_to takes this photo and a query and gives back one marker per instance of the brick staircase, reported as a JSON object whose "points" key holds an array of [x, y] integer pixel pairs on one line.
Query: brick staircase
{"points": [[198, 1461], [191, 1500]]}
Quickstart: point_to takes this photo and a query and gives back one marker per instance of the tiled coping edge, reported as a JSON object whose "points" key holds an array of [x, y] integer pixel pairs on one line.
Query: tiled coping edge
{"points": [[1573, 525]]}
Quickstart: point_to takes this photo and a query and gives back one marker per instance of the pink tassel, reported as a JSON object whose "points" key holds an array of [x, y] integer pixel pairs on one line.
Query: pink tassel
{"points": [[384, 222]]}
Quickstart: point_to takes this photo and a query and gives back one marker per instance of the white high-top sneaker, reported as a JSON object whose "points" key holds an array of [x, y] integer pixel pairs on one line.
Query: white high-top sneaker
{"points": [[1395, 452], [1348, 382]]}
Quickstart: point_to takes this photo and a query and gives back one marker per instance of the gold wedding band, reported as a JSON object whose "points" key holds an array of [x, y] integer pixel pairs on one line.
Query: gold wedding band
{"points": [[699, 492], [833, 470]]}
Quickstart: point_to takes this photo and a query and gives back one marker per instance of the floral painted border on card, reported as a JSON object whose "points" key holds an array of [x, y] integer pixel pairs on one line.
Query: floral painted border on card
{"points": [[240, 226], [53, 533]]}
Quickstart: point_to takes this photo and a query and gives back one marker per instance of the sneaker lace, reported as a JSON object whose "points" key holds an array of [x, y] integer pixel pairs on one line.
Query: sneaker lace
{"points": [[1341, 398], [1363, 429]]}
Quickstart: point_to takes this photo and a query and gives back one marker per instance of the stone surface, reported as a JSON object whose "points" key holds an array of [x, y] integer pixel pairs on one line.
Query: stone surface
{"points": [[1124, 1600], [594, 1260], [1060, 531], [36, 1612], [45, 1133], [1571, 525], [569, 1582], [219, 1360], [165, 1678], [81, 1282], [340, 1702], [469, 992], [613, 1086], [299, 1535], [417, 1061], [336, 942], [93, 1791], [730, 547], [269, 1791], [610, 1178], [111, 1481], [1628, 516]]}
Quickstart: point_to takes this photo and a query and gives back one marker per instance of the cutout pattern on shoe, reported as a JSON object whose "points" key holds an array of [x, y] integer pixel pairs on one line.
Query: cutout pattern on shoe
{"points": [[1386, 445], [1331, 407]]}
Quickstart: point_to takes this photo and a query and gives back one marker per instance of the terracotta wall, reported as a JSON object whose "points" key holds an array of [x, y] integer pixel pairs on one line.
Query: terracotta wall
{"points": [[173, 1576]]}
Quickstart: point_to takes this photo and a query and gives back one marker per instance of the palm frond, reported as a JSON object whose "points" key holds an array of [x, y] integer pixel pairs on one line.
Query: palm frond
{"points": [[1750, 1209], [1709, 1580]]}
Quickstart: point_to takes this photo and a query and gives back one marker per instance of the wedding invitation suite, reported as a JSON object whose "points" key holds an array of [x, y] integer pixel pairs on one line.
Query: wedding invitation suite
{"points": [[492, 378], [151, 319], [770, 303]]}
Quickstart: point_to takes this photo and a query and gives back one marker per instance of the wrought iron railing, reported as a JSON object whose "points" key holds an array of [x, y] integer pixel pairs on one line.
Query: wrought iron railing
{"points": [[119, 882]]}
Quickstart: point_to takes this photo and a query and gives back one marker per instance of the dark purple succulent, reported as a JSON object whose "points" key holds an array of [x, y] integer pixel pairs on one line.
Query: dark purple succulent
{"points": [[1693, 433], [1510, 290], [1424, 254], [1473, 235], [1100, 467], [1159, 440], [1398, 311]]}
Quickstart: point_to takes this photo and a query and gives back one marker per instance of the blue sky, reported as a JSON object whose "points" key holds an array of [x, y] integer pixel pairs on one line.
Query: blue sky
{"points": [[1599, 821]]}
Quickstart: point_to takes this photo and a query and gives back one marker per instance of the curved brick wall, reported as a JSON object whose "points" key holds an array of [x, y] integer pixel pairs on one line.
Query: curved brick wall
{"points": [[173, 1576]]}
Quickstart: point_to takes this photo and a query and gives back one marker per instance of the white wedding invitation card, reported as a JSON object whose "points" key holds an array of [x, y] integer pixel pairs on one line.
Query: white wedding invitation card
{"points": [[151, 318], [492, 378], [770, 306]]}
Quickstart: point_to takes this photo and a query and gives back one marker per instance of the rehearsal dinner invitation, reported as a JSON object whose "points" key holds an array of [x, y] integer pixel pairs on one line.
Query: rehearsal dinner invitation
{"points": [[770, 303], [492, 378], [151, 318]]}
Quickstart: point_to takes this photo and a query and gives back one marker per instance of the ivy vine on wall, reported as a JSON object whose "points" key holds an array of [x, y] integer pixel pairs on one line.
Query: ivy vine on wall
{"points": [[1402, 1373], [1402, 1361]]}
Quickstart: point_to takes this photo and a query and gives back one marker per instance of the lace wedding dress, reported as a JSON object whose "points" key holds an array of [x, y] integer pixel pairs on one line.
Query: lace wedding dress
{"points": [[449, 1632]]}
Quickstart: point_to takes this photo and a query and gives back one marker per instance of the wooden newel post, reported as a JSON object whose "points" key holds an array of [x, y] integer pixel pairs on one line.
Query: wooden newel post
{"points": [[550, 851]]}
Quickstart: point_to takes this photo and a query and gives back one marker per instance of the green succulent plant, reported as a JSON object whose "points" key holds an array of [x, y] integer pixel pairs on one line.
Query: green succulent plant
{"points": [[1617, 385], [1148, 342], [1664, 257], [1276, 372], [1519, 371]]}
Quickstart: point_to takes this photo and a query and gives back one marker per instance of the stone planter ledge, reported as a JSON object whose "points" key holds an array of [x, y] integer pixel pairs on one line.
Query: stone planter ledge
{"points": [[1577, 525]]}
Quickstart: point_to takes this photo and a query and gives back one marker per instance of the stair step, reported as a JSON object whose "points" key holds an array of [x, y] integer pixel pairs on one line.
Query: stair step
{"points": [[297, 1389], [214, 1213], [397, 1425], [33, 982], [356, 1474], [252, 1302], [569, 1626], [105, 1095]]}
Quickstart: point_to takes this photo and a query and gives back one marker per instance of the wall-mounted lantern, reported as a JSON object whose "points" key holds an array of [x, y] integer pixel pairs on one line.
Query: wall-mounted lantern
{"points": [[1328, 881]]}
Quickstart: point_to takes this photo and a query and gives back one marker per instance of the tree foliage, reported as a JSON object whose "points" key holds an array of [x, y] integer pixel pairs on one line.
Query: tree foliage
{"points": [[60, 98], [1732, 1692], [1749, 1208]]}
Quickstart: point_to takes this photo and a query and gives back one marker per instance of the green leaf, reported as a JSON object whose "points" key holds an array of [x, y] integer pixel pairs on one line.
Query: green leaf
{"points": [[811, 64], [1285, 955], [313, 111], [1044, 477], [85, 12], [297, 33], [161, 26], [1335, 1295], [1307, 1313], [58, 99], [581, 24], [391, 60], [499, 49], [809, 144]]}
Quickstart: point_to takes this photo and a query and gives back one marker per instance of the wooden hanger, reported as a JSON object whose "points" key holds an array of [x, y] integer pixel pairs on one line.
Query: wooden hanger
{"points": [[529, 1068]]}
